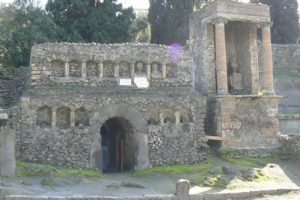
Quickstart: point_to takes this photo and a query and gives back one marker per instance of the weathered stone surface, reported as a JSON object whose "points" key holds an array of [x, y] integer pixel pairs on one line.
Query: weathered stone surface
{"points": [[7, 151], [182, 189]]}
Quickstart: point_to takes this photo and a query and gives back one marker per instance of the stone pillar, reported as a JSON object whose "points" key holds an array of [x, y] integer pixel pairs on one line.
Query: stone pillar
{"points": [[83, 70], [72, 118], [267, 60], [67, 69], [117, 69], [182, 189], [148, 71], [7, 151], [177, 117], [161, 117], [132, 71], [254, 59], [100, 70], [164, 70], [53, 120], [221, 63]]}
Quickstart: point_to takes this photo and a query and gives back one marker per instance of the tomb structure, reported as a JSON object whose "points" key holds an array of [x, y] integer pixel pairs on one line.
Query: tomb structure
{"points": [[122, 107]]}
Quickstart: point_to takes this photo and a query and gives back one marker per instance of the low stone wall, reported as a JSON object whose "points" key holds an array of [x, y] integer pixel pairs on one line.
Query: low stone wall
{"points": [[289, 146]]}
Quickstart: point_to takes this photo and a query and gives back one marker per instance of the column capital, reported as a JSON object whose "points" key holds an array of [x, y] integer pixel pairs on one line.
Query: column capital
{"points": [[219, 20]]}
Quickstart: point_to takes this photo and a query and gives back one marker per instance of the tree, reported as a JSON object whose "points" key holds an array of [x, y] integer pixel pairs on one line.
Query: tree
{"points": [[92, 20], [285, 19], [140, 29], [169, 21], [22, 25]]}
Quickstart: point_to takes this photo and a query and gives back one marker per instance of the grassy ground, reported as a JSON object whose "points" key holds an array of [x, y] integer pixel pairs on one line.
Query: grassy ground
{"points": [[218, 171], [36, 169]]}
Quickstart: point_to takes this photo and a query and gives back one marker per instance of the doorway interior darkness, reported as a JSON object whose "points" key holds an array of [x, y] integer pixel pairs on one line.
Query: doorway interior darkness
{"points": [[117, 145]]}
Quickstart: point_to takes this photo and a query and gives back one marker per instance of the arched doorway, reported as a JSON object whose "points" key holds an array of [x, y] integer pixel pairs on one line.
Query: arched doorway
{"points": [[133, 128], [117, 145]]}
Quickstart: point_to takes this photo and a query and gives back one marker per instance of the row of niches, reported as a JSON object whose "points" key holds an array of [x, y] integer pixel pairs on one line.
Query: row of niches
{"points": [[111, 69], [62, 117], [169, 116]]}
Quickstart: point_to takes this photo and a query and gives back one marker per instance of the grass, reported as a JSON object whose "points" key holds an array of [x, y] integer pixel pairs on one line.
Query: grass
{"points": [[250, 161], [175, 169], [36, 169]]}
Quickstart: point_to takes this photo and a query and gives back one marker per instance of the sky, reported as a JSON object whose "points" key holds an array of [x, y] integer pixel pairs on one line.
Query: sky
{"points": [[137, 4]]}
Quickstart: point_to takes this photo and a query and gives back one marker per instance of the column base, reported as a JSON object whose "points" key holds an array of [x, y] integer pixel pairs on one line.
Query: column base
{"points": [[270, 92], [222, 93]]}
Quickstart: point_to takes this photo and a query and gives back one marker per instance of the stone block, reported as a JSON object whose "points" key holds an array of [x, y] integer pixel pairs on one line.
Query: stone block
{"points": [[182, 189]]}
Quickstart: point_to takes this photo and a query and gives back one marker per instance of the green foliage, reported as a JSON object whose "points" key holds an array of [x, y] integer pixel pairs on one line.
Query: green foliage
{"points": [[285, 29], [175, 169], [36, 169], [92, 21], [140, 29], [169, 21], [22, 25]]}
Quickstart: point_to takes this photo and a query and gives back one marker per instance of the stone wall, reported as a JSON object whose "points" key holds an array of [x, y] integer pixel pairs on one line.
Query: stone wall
{"points": [[248, 122], [173, 122], [12, 85], [289, 146], [287, 83], [106, 64]]}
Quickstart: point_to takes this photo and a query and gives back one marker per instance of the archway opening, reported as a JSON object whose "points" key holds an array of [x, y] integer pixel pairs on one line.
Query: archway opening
{"points": [[117, 143]]}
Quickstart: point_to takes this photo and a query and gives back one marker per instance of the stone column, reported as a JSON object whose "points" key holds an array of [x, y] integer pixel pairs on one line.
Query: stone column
{"points": [[72, 118], [221, 63], [100, 70], [83, 70], [148, 71], [177, 117], [254, 58], [161, 117], [164, 70], [117, 70], [67, 69], [53, 120], [132, 71], [267, 60]]}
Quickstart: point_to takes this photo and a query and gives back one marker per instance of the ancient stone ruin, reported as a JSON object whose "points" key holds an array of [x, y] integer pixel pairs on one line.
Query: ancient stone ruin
{"points": [[122, 107]]}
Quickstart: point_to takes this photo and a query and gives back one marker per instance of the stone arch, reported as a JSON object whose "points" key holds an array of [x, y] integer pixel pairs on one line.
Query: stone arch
{"points": [[44, 115], [169, 115], [92, 69], [171, 70], [108, 69], [81, 117], [186, 116], [156, 70], [140, 68], [154, 118], [124, 69], [75, 68], [63, 117], [140, 136], [58, 68]]}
